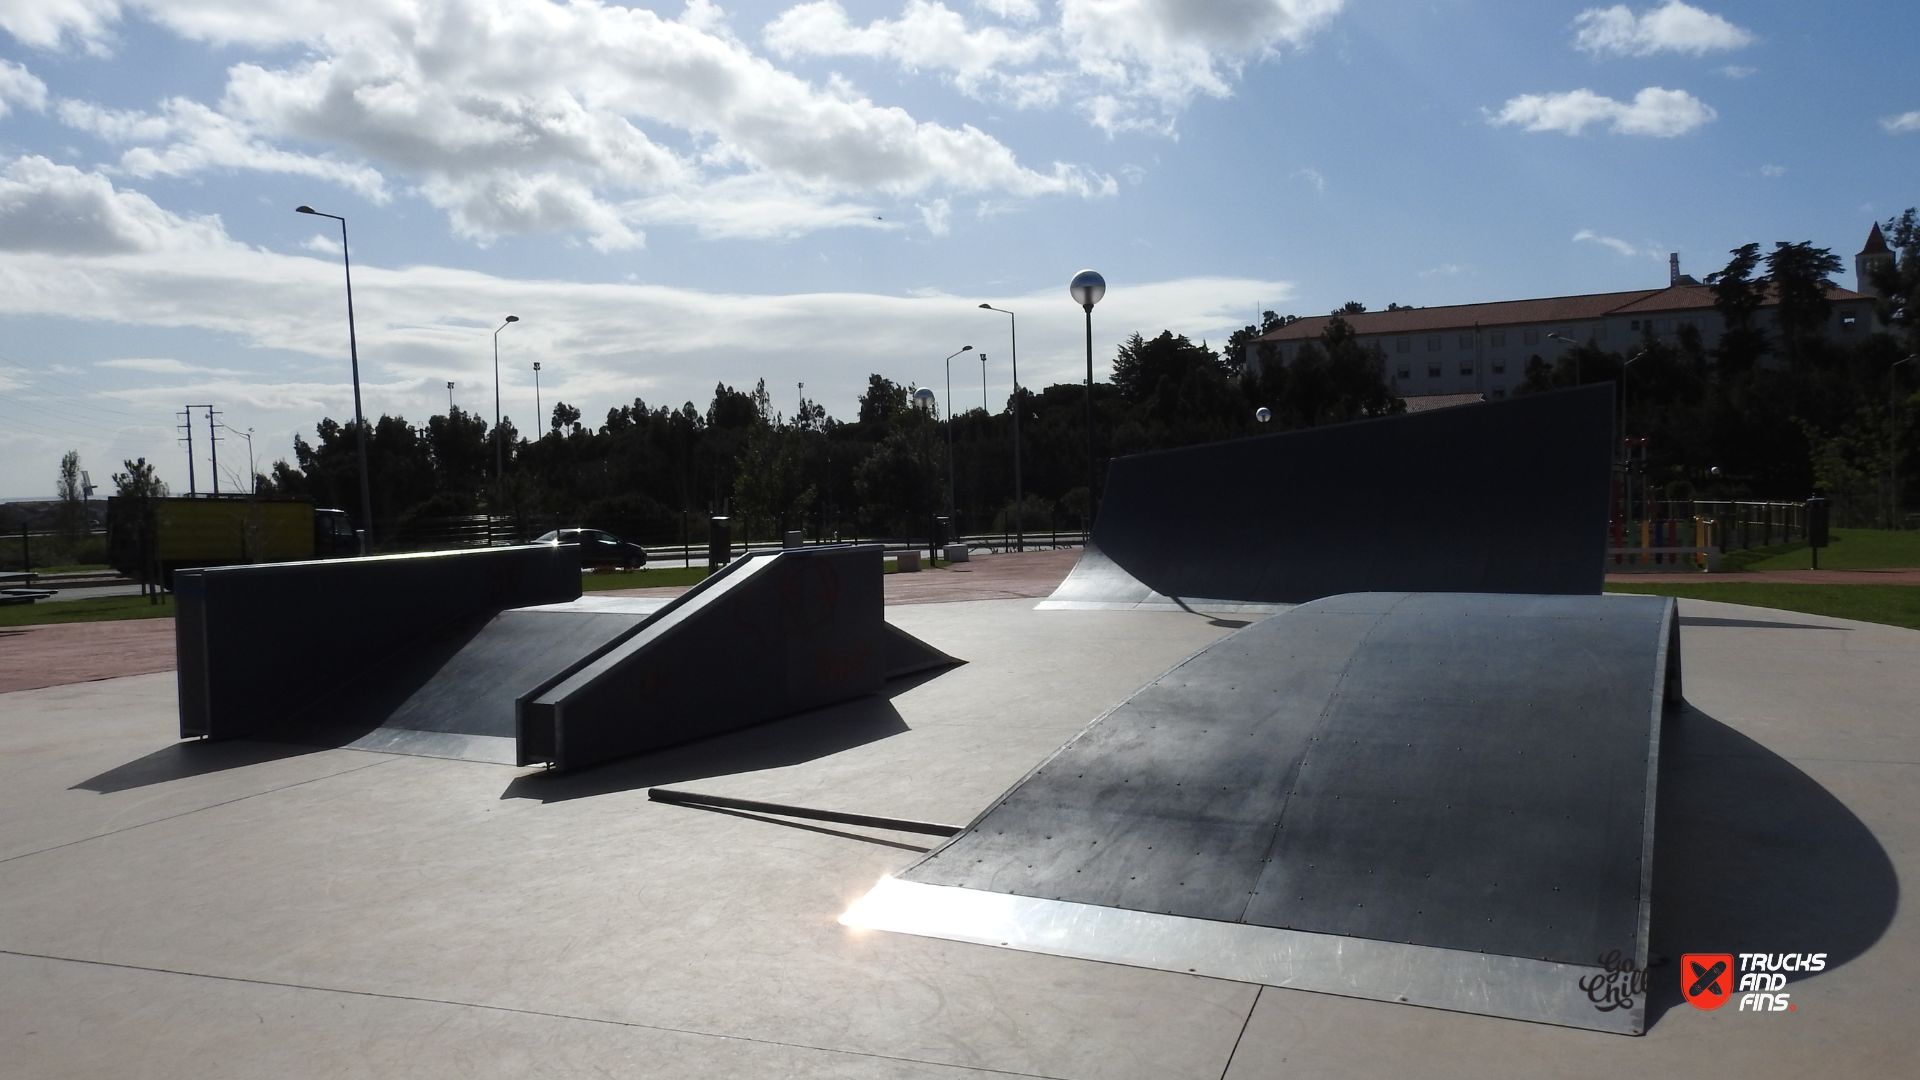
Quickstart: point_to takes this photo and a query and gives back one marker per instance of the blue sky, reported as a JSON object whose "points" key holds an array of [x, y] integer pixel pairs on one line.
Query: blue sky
{"points": [[678, 195]]}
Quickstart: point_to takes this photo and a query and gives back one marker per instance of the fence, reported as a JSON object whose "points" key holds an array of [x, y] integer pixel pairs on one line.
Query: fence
{"points": [[1701, 523]]}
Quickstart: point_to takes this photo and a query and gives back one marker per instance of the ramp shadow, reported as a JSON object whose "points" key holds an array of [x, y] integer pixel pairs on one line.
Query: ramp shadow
{"points": [[184, 759], [790, 740], [1753, 855]]}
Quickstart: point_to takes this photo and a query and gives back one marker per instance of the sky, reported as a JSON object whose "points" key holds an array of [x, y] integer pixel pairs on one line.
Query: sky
{"points": [[685, 194]]}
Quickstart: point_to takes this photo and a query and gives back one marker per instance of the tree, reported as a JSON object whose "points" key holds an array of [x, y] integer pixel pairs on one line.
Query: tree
{"points": [[1351, 307], [1798, 274], [1897, 280], [1736, 296], [72, 513], [139, 481]]}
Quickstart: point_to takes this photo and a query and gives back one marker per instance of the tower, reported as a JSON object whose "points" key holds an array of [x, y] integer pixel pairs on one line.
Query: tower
{"points": [[1876, 253]]}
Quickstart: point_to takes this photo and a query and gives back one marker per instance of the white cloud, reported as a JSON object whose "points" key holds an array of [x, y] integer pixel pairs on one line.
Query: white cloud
{"points": [[1773, 170], [1905, 122], [1735, 71], [1126, 64], [57, 209], [1674, 27], [520, 116], [602, 344], [1311, 176], [1443, 270], [18, 86], [49, 24], [1654, 111], [1617, 244]]}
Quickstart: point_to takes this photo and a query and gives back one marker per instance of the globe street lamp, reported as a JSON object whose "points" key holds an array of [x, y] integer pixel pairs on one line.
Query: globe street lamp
{"points": [[1019, 505], [499, 448], [1086, 289], [949, 363], [353, 351]]}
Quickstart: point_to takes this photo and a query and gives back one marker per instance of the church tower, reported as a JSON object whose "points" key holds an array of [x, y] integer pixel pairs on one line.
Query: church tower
{"points": [[1875, 253]]}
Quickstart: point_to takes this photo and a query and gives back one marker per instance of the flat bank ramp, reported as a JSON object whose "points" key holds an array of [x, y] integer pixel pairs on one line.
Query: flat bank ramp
{"points": [[1438, 799], [774, 634], [1500, 496]]}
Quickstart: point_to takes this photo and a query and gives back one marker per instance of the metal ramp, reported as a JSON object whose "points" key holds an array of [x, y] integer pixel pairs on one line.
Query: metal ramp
{"points": [[1438, 799]]}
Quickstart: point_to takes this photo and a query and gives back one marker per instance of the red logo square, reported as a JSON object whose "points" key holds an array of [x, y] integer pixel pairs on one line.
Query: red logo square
{"points": [[1706, 979]]}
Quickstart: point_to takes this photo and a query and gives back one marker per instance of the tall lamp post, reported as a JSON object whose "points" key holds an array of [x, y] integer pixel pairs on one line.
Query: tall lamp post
{"points": [[1086, 288], [1576, 354], [353, 351], [949, 363], [1019, 503], [1893, 432], [537, 414], [449, 399], [499, 446]]}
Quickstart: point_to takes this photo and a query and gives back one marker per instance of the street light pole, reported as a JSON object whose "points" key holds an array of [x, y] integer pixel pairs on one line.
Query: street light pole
{"points": [[449, 399], [1086, 288], [499, 447], [1019, 502], [949, 364], [1893, 433], [537, 414], [1576, 354], [353, 351]]}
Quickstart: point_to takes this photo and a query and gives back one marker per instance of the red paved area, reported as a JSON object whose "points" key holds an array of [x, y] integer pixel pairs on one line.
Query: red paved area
{"points": [[55, 655], [984, 577]]}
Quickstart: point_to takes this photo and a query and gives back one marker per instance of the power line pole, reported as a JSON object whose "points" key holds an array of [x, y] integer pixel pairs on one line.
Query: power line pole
{"points": [[186, 425], [213, 447]]}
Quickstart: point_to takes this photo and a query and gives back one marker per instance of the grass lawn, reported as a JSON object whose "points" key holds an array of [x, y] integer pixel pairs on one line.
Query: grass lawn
{"points": [[1851, 549], [68, 611], [1895, 605], [644, 578]]}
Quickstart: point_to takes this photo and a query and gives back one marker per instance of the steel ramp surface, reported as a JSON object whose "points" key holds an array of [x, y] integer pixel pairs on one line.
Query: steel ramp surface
{"points": [[1500, 496], [1442, 799]]}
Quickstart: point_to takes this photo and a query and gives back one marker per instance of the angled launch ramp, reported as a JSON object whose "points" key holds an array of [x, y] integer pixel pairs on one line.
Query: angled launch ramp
{"points": [[1441, 799], [495, 656], [1501, 496]]}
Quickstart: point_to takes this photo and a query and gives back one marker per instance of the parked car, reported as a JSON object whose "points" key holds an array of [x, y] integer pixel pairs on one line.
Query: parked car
{"points": [[598, 548]]}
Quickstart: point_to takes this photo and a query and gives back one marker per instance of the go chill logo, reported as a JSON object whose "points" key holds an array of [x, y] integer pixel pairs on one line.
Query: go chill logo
{"points": [[1710, 980]]}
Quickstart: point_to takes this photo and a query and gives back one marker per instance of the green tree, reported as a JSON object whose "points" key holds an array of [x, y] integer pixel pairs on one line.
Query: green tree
{"points": [[1799, 275], [71, 517], [1897, 281], [1737, 295]]}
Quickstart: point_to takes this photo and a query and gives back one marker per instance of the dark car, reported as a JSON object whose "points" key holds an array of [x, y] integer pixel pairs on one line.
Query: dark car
{"points": [[598, 548]]}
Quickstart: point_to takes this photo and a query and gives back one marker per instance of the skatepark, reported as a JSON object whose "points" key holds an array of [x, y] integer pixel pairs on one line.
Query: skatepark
{"points": [[1728, 780]]}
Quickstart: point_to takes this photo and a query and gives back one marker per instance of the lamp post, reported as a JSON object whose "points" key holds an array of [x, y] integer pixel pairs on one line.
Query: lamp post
{"points": [[949, 364], [1019, 504], [1086, 288], [449, 399], [1893, 433], [1576, 355], [353, 351], [537, 414], [499, 447]]}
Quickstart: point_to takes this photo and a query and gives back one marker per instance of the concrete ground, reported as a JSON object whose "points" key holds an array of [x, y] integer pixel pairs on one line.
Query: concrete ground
{"points": [[249, 910]]}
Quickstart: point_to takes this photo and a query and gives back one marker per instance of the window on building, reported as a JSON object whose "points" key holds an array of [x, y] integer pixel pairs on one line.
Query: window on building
{"points": [[1499, 337], [1530, 337], [1499, 366], [1466, 367], [1634, 326], [1433, 370], [1433, 344], [1402, 345], [1466, 341], [1848, 320], [1405, 371], [1499, 394]]}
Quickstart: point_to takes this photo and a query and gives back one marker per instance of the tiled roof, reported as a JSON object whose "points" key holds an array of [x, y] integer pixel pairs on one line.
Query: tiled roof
{"points": [[1503, 313]]}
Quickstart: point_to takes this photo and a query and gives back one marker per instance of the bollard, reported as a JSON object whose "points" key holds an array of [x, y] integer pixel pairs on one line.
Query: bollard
{"points": [[719, 544]]}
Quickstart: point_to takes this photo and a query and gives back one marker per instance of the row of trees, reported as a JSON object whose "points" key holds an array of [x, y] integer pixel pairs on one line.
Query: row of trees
{"points": [[1776, 408]]}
